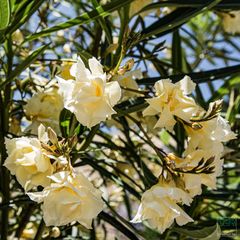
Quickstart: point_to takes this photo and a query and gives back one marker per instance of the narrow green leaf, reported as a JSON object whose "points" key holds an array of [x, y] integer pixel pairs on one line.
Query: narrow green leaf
{"points": [[206, 233], [176, 52], [4, 13], [102, 22], [101, 11], [225, 4], [197, 77], [174, 20], [87, 141], [64, 122], [17, 5], [23, 14], [225, 88]]}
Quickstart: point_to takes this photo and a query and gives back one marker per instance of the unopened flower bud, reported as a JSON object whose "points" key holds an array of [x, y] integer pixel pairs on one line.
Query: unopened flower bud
{"points": [[196, 126], [17, 37], [67, 48], [60, 33], [55, 232], [130, 64], [52, 136]]}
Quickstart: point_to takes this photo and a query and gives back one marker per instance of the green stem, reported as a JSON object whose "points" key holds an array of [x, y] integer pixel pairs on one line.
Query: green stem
{"points": [[124, 18], [119, 62], [4, 104]]}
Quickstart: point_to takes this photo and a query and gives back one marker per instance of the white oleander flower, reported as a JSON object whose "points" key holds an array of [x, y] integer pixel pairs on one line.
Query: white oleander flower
{"points": [[172, 100], [89, 97], [205, 142], [128, 80], [194, 182], [70, 197], [216, 130], [28, 161], [44, 107], [159, 206], [231, 22]]}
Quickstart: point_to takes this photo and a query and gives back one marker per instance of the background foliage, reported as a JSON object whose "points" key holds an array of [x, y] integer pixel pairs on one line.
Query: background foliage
{"points": [[188, 40]]}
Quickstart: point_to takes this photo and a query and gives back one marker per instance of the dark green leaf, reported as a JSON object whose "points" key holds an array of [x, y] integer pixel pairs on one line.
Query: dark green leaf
{"points": [[199, 77], [206, 233], [175, 19]]}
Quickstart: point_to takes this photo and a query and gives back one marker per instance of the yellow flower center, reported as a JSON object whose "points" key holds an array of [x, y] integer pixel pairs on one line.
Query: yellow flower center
{"points": [[98, 90]]}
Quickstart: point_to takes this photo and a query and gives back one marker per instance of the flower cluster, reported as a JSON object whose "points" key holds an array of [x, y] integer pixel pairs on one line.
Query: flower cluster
{"points": [[91, 94], [182, 177], [67, 193]]}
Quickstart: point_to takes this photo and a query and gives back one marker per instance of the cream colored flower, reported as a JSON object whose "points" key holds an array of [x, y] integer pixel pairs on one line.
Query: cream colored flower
{"points": [[172, 100], [159, 206], [205, 143], [128, 80], [89, 97], [194, 182], [45, 108], [28, 161], [216, 130], [231, 21], [70, 197]]}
